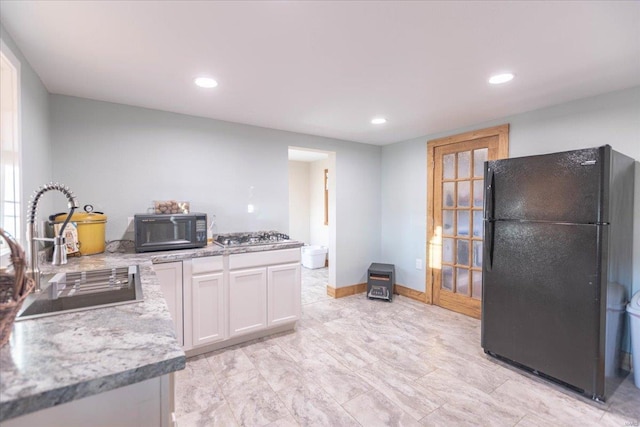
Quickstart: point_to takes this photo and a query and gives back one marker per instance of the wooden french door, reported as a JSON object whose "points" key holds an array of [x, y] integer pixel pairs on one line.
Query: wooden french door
{"points": [[454, 216]]}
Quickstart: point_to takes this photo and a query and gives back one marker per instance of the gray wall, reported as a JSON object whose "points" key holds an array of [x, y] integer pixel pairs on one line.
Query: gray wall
{"points": [[36, 147], [120, 158], [613, 119]]}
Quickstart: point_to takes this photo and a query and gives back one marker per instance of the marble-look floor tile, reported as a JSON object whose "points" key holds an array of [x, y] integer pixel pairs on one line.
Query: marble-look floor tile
{"points": [[307, 323], [310, 405], [471, 372], [288, 421], [353, 328], [257, 345], [547, 403], [408, 396], [350, 353], [300, 346], [410, 350], [532, 420], [326, 311], [617, 402], [195, 367], [464, 403], [411, 322], [396, 359], [230, 361], [457, 415], [612, 419], [382, 311], [373, 409], [314, 285], [625, 401], [463, 345], [337, 380], [218, 414], [315, 295], [252, 401], [313, 276], [277, 367], [414, 340], [196, 395], [311, 297], [196, 388]]}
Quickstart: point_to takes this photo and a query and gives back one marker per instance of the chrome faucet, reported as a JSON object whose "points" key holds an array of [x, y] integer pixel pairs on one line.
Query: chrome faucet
{"points": [[59, 249]]}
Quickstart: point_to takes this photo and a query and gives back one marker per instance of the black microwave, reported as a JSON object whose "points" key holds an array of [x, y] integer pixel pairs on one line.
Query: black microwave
{"points": [[165, 232]]}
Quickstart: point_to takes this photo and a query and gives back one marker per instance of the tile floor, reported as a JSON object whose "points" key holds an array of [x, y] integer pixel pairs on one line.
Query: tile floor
{"points": [[354, 362]]}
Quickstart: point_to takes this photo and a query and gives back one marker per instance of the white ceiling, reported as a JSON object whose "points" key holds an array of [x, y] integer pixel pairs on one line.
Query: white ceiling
{"points": [[302, 155], [327, 68]]}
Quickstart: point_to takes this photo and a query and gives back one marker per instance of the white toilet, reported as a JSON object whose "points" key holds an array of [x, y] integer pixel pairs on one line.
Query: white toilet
{"points": [[314, 256]]}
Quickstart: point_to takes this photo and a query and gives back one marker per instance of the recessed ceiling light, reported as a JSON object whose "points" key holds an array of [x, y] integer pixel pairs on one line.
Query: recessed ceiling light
{"points": [[206, 82], [378, 120], [501, 78]]}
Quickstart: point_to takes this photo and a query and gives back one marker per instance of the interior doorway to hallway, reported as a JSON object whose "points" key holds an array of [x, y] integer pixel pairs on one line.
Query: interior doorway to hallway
{"points": [[312, 200]]}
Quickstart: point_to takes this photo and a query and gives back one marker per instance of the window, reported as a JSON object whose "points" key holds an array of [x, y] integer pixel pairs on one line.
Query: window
{"points": [[10, 162]]}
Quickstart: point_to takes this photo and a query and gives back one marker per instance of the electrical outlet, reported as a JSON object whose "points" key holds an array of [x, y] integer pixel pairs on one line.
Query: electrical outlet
{"points": [[418, 264]]}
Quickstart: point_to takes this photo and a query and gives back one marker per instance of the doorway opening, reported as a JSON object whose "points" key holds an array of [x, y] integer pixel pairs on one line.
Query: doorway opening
{"points": [[312, 205]]}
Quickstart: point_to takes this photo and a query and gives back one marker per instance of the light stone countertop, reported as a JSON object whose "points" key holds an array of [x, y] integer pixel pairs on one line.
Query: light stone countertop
{"points": [[61, 358]]}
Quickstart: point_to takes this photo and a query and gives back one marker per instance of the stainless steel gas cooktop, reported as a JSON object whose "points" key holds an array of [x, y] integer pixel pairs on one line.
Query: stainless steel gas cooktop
{"points": [[250, 239]]}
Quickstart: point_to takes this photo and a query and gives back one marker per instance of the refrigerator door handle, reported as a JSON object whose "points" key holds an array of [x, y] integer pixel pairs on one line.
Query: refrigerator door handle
{"points": [[488, 245], [488, 217], [488, 193]]}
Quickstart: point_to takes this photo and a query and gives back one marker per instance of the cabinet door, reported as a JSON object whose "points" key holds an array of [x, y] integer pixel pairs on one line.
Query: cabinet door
{"points": [[247, 301], [284, 294], [207, 308], [170, 278]]}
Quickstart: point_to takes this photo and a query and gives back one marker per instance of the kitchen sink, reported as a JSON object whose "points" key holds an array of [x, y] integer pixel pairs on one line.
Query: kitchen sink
{"points": [[83, 290]]}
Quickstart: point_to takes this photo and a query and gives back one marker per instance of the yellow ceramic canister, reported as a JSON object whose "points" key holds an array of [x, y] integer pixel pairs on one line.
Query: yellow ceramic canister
{"points": [[91, 230]]}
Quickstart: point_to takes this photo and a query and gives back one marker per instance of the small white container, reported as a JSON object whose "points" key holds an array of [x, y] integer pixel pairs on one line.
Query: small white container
{"points": [[314, 256], [633, 308], [616, 303]]}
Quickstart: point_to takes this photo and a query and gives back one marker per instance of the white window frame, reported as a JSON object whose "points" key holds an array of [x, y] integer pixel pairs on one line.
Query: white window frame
{"points": [[17, 158]]}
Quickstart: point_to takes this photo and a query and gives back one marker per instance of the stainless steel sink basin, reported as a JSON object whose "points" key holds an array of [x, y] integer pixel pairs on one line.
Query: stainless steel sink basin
{"points": [[83, 290]]}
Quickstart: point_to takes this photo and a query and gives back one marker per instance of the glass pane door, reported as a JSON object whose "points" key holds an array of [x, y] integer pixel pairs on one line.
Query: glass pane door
{"points": [[455, 198], [462, 203]]}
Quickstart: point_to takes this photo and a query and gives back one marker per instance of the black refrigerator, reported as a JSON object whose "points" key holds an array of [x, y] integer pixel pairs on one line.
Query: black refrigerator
{"points": [[558, 231]]}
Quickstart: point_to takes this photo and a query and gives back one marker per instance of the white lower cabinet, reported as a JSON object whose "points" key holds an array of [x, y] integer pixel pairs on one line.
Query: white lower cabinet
{"points": [[247, 301], [216, 299], [207, 308], [170, 278], [283, 294], [264, 290]]}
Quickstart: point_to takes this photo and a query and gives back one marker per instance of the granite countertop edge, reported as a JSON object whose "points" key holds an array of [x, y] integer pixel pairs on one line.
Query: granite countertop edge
{"points": [[213, 250], [54, 397], [23, 392]]}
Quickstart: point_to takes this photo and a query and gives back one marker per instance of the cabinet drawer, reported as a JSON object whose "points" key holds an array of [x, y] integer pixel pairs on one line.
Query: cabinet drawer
{"points": [[206, 264], [255, 259]]}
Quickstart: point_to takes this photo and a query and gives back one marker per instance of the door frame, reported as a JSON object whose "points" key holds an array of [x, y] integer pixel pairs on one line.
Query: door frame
{"points": [[502, 132]]}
